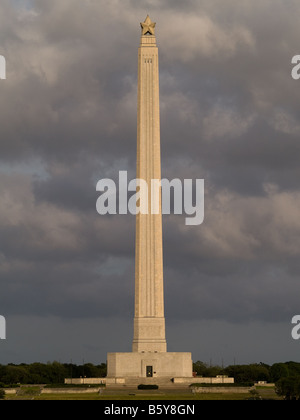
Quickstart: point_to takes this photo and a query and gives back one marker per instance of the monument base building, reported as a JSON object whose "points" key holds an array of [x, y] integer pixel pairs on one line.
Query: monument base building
{"points": [[149, 365]]}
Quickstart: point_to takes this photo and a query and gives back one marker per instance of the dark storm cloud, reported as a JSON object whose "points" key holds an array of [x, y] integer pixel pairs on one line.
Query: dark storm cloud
{"points": [[229, 114]]}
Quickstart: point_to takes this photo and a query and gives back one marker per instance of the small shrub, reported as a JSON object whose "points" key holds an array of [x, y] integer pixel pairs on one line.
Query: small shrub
{"points": [[2, 394], [142, 386], [30, 390]]}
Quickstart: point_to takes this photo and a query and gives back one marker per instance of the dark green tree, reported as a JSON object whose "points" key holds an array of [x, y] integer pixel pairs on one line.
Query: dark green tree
{"points": [[289, 388], [2, 394], [249, 373], [278, 371]]}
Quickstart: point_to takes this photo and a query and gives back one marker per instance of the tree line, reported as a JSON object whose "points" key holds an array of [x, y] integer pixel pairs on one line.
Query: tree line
{"points": [[284, 374], [47, 373], [255, 372]]}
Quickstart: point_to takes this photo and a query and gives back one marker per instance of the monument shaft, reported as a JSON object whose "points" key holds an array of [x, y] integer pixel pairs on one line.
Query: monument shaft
{"points": [[149, 322], [149, 358]]}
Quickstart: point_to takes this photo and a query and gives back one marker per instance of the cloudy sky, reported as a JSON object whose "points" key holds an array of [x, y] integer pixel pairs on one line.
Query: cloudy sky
{"points": [[229, 114]]}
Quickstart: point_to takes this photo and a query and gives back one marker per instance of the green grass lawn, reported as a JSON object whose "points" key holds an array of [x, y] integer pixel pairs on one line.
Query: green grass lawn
{"points": [[268, 393], [97, 397], [31, 393]]}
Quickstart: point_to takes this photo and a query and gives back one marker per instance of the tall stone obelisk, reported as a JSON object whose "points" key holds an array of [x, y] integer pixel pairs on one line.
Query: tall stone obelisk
{"points": [[149, 358], [149, 321]]}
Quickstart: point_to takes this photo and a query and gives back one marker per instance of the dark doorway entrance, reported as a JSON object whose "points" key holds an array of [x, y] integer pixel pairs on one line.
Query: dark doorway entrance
{"points": [[149, 371]]}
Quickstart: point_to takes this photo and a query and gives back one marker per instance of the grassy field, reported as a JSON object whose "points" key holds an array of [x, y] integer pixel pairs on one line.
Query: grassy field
{"points": [[187, 397], [32, 393]]}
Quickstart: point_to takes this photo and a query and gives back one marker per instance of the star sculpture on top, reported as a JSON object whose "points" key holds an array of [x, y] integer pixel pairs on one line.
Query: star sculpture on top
{"points": [[148, 27]]}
